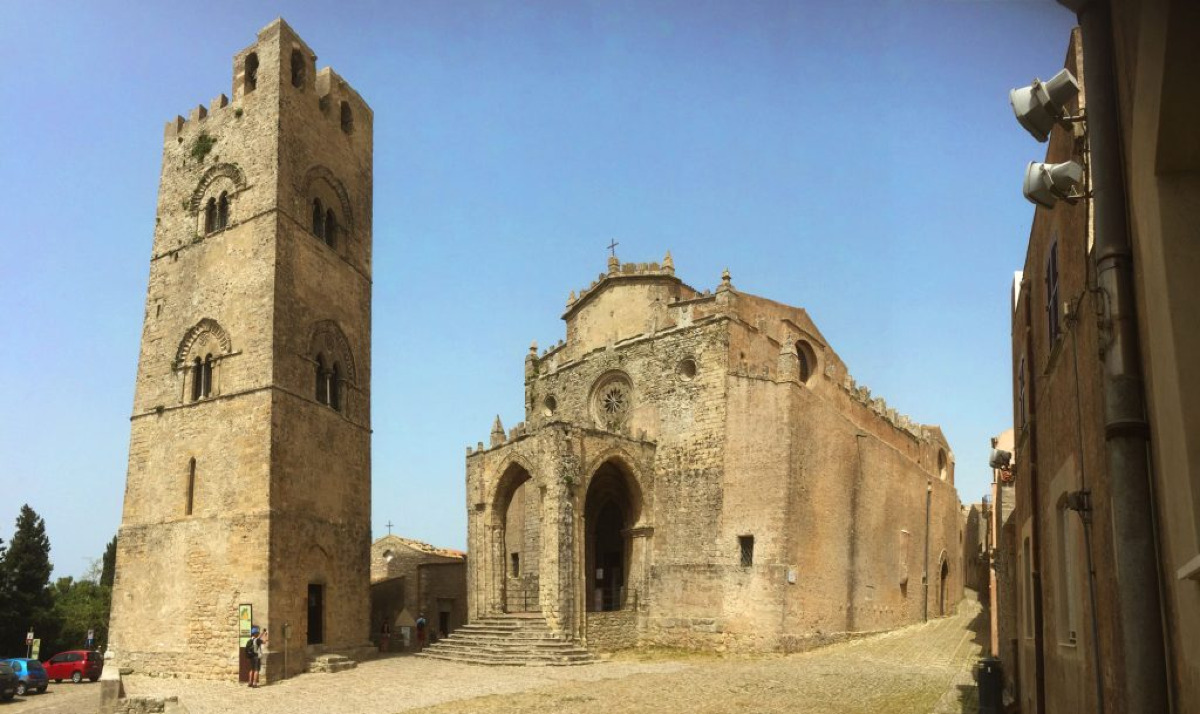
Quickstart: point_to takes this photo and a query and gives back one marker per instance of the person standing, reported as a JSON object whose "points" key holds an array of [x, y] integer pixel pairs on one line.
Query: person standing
{"points": [[254, 652]]}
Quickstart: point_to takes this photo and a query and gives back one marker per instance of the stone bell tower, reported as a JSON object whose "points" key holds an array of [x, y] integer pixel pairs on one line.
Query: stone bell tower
{"points": [[249, 478]]}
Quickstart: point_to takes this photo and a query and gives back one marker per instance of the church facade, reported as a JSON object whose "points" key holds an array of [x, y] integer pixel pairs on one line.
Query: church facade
{"points": [[699, 469]]}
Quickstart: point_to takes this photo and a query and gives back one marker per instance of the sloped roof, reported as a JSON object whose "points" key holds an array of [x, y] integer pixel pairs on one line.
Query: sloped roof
{"points": [[420, 546]]}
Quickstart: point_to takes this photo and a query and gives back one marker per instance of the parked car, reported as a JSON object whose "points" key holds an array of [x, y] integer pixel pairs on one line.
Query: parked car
{"points": [[74, 665], [8, 681], [31, 674]]}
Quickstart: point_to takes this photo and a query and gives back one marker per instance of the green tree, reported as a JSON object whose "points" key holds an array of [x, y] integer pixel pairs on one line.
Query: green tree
{"points": [[26, 569], [109, 570], [79, 606]]}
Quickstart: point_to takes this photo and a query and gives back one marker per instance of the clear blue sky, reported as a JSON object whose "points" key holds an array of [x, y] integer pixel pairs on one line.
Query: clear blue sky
{"points": [[858, 159]]}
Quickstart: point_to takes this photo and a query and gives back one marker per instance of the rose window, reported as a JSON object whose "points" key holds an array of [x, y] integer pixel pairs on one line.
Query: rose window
{"points": [[611, 402]]}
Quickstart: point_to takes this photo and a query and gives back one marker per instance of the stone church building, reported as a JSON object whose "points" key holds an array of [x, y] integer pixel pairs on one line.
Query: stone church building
{"points": [[698, 469]]}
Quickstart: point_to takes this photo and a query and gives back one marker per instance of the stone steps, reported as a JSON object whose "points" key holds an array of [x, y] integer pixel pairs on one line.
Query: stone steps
{"points": [[522, 639], [331, 663]]}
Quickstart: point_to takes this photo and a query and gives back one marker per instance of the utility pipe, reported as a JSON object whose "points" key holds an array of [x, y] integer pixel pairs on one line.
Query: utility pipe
{"points": [[1126, 431]]}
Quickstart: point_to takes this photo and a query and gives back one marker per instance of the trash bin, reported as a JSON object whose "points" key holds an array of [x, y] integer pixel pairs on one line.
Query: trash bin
{"points": [[991, 686]]}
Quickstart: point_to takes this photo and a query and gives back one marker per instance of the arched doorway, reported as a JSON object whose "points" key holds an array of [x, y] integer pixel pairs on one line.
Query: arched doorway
{"points": [[518, 505], [943, 581], [611, 508]]}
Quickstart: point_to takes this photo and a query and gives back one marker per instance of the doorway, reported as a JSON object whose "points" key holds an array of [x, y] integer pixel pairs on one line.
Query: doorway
{"points": [[942, 586], [316, 613], [610, 510]]}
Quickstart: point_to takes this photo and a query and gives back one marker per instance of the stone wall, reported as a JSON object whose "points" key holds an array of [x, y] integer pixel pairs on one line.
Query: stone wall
{"points": [[723, 437], [612, 631], [240, 483]]}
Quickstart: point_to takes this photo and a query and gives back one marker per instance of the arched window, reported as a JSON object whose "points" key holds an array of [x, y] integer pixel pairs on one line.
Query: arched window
{"points": [[347, 118], [807, 360], [331, 227], [335, 387], [297, 69], [191, 487], [942, 464], [207, 373], [223, 211], [210, 215], [197, 379], [251, 72], [322, 383], [318, 219]]}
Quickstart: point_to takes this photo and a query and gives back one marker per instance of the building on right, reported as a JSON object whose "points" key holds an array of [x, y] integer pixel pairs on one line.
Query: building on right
{"points": [[1106, 393]]}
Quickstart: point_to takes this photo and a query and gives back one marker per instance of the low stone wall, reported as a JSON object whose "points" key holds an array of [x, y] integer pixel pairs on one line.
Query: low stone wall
{"points": [[610, 631]]}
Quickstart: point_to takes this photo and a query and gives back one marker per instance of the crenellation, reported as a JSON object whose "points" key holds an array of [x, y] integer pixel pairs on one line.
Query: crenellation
{"points": [[243, 299], [701, 416]]}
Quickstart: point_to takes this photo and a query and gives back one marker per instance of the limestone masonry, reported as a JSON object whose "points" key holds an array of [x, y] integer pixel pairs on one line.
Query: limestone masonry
{"points": [[699, 469], [249, 477]]}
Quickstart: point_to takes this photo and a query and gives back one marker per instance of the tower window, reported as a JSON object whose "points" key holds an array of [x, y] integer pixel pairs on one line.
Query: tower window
{"points": [[222, 211], [335, 387], [210, 215], [1054, 327], [297, 69], [331, 228], [251, 79], [516, 564], [746, 549], [347, 118], [318, 219], [807, 361], [322, 384], [191, 487], [197, 379]]}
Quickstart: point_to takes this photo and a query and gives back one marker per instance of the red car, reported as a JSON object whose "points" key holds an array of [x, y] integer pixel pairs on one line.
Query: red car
{"points": [[74, 665]]}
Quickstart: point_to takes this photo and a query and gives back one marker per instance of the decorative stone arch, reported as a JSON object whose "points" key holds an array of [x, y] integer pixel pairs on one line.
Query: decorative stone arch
{"points": [[212, 178], [328, 339], [514, 521], [613, 553], [321, 183], [622, 459], [198, 359], [207, 331], [333, 365]]}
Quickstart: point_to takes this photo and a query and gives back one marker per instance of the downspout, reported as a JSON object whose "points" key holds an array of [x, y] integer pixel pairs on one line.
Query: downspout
{"points": [[1035, 531], [1126, 431], [925, 575]]}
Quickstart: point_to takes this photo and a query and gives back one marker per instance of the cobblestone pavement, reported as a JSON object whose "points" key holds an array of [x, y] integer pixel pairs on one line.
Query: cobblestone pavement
{"points": [[919, 669], [65, 698]]}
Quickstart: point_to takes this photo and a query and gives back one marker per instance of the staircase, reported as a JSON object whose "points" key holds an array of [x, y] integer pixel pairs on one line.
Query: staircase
{"points": [[517, 639], [330, 663]]}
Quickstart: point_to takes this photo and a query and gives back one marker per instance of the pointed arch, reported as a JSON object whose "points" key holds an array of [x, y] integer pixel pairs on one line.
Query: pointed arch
{"points": [[319, 179], [205, 328], [229, 172], [329, 340]]}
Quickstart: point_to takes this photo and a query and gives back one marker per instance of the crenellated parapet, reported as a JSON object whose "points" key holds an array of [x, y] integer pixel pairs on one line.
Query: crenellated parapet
{"points": [[861, 394], [617, 269]]}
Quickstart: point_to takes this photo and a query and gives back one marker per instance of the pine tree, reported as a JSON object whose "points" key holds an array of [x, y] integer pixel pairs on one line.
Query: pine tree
{"points": [[26, 569], [110, 563]]}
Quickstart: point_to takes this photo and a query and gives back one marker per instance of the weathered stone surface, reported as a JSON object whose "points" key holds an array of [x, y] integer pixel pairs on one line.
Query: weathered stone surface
{"points": [[699, 470], [243, 488]]}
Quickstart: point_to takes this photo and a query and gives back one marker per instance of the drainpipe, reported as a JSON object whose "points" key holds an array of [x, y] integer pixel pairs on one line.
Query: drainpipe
{"points": [[925, 575], [1126, 431], [1035, 531]]}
